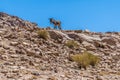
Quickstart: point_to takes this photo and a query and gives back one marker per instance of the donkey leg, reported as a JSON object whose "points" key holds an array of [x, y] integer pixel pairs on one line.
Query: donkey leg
{"points": [[55, 27], [59, 27]]}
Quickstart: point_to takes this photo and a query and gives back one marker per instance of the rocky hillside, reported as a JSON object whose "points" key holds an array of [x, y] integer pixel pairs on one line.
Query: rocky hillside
{"points": [[25, 55]]}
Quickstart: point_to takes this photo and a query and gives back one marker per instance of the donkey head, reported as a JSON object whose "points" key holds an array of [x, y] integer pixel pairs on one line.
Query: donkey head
{"points": [[51, 20]]}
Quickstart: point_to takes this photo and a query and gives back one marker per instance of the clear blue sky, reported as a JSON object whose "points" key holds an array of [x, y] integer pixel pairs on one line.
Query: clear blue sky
{"points": [[95, 15]]}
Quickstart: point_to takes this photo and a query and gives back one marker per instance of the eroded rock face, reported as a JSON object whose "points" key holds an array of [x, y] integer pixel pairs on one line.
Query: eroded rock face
{"points": [[76, 37], [88, 45], [25, 56], [13, 22], [58, 36], [110, 40]]}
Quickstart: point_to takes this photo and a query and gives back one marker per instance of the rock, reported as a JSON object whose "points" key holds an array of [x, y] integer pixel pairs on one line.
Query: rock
{"points": [[109, 40], [82, 37], [6, 47], [14, 56], [30, 52], [35, 73], [89, 38], [88, 46], [99, 77], [100, 44], [4, 71], [13, 43], [52, 78], [75, 37], [25, 44], [0, 38], [58, 35]]}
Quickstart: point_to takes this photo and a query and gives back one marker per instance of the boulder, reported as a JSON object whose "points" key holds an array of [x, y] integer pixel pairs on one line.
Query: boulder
{"points": [[14, 43], [76, 37], [109, 40], [88, 45], [58, 35], [83, 37]]}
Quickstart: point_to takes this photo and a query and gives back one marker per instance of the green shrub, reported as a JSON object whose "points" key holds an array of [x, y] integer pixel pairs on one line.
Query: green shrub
{"points": [[85, 59], [71, 44], [43, 34]]}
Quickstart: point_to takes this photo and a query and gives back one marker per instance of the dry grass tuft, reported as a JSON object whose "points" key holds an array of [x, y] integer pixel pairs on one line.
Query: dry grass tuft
{"points": [[71, 44], [85, 59], [43, 34]]}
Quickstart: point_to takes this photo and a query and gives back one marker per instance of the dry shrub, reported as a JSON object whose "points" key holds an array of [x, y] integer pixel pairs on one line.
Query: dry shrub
{"points": [[71, 44], [43, 34], [85, 59]]}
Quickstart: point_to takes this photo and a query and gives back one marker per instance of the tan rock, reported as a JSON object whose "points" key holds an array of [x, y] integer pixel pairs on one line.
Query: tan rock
{"points": [[109, 40], [88, 46]]}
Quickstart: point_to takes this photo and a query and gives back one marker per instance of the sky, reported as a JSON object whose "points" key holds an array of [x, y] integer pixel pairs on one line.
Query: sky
{"points": [[94, 15]]}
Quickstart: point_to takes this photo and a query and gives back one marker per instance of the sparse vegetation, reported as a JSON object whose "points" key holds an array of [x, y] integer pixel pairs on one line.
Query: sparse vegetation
{"points": [[85, 59], [108, 73], [43, 34], [71, 44]]}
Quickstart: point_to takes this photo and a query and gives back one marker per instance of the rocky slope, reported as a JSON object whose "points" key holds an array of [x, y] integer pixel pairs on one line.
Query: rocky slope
{"points": [[26, 56]]}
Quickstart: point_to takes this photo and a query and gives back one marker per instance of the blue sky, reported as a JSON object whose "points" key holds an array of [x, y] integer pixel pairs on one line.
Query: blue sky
{"points": [[94, 15]]}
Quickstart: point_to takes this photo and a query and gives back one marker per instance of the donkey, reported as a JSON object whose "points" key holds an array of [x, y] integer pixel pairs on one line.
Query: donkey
{"points": [[56, 23]]}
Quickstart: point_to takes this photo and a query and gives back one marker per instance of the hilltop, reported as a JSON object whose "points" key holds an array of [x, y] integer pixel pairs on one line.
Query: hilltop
{"points": [[27, 53]]}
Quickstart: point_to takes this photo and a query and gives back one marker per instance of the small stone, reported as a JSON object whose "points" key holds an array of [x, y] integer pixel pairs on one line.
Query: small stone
{"points": [[14, 43], [4, 71], [6, 47], [52, 78], [99, 77], [14, 56], [35, 73]]}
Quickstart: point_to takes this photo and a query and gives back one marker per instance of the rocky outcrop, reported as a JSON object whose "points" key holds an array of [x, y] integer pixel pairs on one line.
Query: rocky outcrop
{"points": [[14, 22], [109, 40], [25, 56]]}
